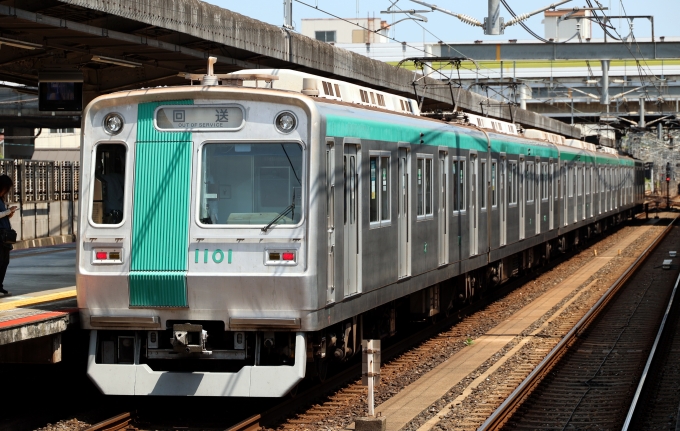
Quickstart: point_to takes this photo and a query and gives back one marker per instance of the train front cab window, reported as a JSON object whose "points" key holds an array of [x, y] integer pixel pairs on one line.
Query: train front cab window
{"points": [[250, 184], [108, 195]]}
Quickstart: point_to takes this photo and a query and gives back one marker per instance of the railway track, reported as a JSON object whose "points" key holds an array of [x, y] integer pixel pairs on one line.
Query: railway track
{"points": [[656, 404], [116, 423], [340, 392], [589, 378]]}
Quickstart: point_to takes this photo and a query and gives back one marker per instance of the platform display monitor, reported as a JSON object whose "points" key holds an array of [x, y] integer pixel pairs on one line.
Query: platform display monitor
{"points": [[60, 90]]}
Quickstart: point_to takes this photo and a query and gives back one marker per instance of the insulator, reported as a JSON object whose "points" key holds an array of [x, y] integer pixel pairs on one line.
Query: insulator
{"points": [[517, 19], [469, 20]]}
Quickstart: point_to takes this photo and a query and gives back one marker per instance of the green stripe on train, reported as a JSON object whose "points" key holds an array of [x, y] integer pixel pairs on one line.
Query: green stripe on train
{"points": [[346, 126], [160, 214]]}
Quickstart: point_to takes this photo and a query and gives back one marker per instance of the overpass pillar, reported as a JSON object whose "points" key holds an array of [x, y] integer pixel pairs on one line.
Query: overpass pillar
{"points": [[641, 123], [604, 100]]}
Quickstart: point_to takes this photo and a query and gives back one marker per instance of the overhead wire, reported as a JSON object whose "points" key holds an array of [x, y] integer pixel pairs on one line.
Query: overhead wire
{"points": [[396, 40], [524, 26], [463, 55]]}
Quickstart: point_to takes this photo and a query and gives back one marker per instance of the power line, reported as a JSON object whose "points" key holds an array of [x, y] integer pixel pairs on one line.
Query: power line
{"points": [[395, 40]]}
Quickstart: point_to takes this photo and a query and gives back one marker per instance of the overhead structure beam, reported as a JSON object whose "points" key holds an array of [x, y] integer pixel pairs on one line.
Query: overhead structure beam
{"points": [[561, 51], [116, 35], [247, 43]]}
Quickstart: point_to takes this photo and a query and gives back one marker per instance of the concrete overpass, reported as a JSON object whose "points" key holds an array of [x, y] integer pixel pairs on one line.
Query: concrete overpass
{"points": [[160, 38]]}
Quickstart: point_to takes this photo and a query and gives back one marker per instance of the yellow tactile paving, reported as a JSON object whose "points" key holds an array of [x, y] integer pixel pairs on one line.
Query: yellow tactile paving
{"points": [[407, 404], [10, 302]]}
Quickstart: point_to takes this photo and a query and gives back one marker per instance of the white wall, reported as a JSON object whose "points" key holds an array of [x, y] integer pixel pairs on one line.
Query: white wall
{"points": [[346, 32], [58, 139]]}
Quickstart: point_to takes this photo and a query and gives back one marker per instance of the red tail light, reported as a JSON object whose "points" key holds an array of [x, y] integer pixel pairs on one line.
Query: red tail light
{"points": [[288, 256], [101, 255]]}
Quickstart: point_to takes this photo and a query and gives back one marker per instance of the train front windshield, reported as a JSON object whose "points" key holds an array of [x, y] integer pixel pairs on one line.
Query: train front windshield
{"points": [[251, 184]]}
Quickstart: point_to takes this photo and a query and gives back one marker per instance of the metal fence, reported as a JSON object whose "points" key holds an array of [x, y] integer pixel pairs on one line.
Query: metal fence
{"points": [[46, 194]]}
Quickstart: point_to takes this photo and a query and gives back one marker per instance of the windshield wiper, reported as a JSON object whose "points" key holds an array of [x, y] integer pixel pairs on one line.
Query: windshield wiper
{"points": [[290, 208]]}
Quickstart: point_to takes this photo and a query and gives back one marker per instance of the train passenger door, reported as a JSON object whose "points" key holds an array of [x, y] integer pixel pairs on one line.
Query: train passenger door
{"points": [[538, 193], [330, 220], [503, 201], [474, 205], [551, 194], [565, 198], [403, 213], [443, 210], [522, 197], [351, 219]]}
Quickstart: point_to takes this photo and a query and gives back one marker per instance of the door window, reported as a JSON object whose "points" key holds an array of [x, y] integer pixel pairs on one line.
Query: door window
{"points": [[424, 186], [108, 197]]}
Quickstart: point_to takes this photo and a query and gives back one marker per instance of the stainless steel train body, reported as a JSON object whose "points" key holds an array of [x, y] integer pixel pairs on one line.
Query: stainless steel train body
{"points": [[188, 291]]}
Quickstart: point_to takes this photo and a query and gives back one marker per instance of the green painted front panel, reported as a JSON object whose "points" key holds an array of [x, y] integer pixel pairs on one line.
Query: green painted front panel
{"points": [[160, 214], [158, 289]]}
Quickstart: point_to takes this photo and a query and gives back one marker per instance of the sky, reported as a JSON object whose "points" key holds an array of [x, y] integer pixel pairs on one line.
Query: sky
{"points": [[449, 29]]}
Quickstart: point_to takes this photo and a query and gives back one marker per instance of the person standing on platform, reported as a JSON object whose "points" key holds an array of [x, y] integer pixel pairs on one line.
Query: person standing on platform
{"points": [[5, 214]]}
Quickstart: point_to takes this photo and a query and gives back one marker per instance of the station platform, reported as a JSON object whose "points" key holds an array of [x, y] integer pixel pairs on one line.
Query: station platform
{"points": [[42, 304]]}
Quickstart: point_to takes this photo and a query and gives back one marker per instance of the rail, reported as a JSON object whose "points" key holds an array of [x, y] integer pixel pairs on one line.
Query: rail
{"points": [[501, 415], [118, 422], [648, 365]]}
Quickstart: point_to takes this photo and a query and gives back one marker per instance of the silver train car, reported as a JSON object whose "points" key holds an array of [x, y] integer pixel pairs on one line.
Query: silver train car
{"points": [[236, 238]]}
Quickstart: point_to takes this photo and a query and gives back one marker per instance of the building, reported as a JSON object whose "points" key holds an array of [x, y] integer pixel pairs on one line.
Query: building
{"points": [[57, 145], [337, 31]]}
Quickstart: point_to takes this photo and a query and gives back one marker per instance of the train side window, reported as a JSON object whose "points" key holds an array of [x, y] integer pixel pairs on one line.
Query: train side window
{"points": [[337, 91], [484, 184], [458, 170], [330, 89], [379, 198], [108, 195], [424, 185], [494, 184], [372, 98], [512, 183], [530, 181], [579, 180]]}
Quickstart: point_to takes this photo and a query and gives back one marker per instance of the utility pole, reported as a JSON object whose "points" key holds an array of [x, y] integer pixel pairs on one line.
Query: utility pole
{"points": [[288, 14], [493, 24]]}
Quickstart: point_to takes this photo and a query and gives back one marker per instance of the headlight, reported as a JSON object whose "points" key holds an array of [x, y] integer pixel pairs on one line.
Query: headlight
{"points": [[286, 122], [113, 124]]}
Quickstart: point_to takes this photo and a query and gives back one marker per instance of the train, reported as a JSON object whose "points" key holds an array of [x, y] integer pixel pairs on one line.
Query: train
{"points": [[247, 231]]}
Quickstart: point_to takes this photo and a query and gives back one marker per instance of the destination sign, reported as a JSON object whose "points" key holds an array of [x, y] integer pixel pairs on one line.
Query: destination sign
{"points": [[187, 117]]}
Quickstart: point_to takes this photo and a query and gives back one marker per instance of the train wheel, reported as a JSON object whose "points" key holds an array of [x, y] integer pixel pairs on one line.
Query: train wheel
{"points": [[321, 369], [293, 392]]}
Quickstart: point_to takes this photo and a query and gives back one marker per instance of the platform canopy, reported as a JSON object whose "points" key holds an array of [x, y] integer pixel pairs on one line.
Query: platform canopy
{"points": [[127, 44]]}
